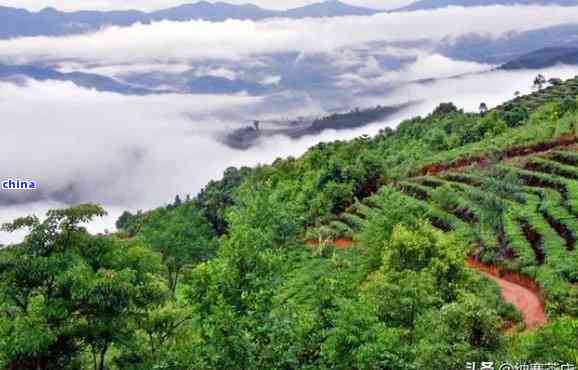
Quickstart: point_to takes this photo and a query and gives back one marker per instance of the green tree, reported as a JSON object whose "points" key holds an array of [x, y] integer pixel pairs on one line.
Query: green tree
{"points": [[483, 109], [463, 331], [444, 109], [82, 291], [183, 237], [555, 81], [568, 104], [514, 116], [539, 82], [555, 342], [124, 220]]}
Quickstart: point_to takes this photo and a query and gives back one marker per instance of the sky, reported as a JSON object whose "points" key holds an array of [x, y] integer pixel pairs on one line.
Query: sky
{"points": [[70, 5]]}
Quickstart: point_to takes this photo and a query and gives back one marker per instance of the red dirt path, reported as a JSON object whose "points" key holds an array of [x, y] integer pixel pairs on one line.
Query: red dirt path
{"points": [[519, 290]]}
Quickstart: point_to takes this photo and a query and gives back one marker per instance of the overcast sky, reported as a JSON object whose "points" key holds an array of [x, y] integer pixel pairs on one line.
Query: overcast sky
{"points": [[159, 4]]}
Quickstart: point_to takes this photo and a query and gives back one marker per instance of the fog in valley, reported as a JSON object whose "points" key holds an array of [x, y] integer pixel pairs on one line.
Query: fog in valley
{"points": [[139, 151]]}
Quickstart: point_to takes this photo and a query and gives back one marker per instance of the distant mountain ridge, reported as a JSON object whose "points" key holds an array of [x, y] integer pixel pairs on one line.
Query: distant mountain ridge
{"points": [[480, 48], [437, 4], [86, 80], [221, 85], [51, 22], [543, 58], [193, 85]]}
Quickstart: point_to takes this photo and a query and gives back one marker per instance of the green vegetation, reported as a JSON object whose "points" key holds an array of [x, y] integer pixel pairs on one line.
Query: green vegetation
{"points": [[349, 257]]}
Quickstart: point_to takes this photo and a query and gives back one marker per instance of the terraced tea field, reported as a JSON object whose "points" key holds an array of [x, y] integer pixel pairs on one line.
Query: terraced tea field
{"points": [[518, 212]]}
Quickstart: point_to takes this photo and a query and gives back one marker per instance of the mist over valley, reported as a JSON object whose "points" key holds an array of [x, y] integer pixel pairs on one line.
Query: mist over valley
{"points": [[161, 107]]}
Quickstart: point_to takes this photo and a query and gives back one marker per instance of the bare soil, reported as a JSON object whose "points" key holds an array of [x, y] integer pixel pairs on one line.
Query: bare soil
{"points": [[517, 289]]}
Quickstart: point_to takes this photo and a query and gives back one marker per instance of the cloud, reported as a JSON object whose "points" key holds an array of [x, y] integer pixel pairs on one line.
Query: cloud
{"points": [[468, 91], [271, 80], [102, 146], [216, 72], [434, 66], [426, 66], [122, 68], [371, 68], [184, 42], [138, 152]]}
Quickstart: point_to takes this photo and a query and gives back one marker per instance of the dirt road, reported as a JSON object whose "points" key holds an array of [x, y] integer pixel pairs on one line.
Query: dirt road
{"points": [[526, 300], [518, 290]]}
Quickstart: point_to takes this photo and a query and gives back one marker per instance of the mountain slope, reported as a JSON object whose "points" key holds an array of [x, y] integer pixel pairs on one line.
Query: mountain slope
{"points": [[51, 22], [505, 49], [86, 80], [543, 58], [330, 8], [221, 85], [215, 12], [436, 4]]}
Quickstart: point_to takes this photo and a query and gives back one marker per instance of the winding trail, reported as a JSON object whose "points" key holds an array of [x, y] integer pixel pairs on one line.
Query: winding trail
{"points": [[526, 301], [519, 291]]}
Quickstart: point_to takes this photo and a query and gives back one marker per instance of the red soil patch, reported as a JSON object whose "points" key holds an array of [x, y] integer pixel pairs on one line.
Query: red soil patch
{"points": [[517, 289], [343, 243], [519, 151], [340, 243]]}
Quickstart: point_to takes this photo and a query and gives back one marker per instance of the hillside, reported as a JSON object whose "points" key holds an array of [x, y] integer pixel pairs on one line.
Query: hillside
{"points": [[543, 58], [505, 49], [407, 250], [437, 4], [86, 80]]}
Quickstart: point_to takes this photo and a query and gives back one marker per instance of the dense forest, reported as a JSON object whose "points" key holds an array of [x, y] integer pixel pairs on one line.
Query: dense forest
{"points": [[352, 256]]}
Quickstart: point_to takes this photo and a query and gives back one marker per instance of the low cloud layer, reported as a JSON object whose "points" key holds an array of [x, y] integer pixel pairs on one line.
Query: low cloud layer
{"points": [[241, 40], [138, 152], [426, 66], [130, 152]]}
